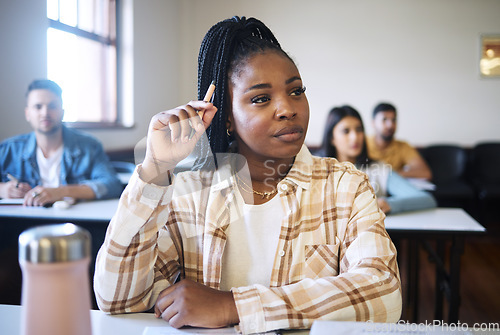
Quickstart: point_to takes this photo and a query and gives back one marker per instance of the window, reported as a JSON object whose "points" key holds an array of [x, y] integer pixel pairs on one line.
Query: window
{"points": [[82, 59]]}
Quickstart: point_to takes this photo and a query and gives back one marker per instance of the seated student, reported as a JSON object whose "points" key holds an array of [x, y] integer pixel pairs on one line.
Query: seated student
{"points": [[383, 147], [344, 139], [53, 162], [260, 233]]}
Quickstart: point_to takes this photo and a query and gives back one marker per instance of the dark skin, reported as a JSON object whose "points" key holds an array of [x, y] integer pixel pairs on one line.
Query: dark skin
{"points": [[269, 115]]}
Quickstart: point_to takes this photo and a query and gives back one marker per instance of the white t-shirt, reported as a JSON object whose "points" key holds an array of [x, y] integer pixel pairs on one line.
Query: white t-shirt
{"points": [[251, 245], [50, 167]]}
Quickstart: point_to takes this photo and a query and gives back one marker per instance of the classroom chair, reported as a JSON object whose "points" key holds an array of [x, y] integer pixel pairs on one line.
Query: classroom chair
{"points": [[448, 164]]}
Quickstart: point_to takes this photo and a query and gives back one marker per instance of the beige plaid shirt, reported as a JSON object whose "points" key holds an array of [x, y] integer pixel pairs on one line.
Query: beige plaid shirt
{"points": [[334, 261]]}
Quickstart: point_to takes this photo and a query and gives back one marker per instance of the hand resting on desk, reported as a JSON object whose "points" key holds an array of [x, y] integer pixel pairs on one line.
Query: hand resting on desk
{"points": [[188, 303]]}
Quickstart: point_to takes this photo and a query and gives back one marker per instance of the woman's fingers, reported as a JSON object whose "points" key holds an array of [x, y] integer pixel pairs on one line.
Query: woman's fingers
{"points": [[175, 321], [188, 303], [173, 134], [183, 120], [206, 112], [163, 301], [187, 123]]}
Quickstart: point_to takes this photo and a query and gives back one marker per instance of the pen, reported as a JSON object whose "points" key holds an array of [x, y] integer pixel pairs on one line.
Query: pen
{"points": [[12, 178], [208, 96]]}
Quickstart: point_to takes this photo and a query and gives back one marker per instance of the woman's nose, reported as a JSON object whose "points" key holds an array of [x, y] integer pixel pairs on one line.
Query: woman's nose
{"points": [[284, 111]]}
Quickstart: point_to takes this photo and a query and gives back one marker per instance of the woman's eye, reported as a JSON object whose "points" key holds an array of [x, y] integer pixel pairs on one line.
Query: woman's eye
{"points": [[260, 99], [298, 91]]}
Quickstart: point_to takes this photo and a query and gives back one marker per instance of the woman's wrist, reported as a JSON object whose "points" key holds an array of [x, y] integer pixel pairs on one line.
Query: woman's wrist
{"points": [[155, 173], [232, 311]]}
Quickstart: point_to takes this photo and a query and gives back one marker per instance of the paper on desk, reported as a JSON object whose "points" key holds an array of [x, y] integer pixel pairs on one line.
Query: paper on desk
{"points": [[9, 201], [422, 184], [167, 330]]}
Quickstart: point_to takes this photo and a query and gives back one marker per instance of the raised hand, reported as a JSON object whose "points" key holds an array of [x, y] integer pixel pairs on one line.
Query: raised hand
{"points": [[172, 136]]}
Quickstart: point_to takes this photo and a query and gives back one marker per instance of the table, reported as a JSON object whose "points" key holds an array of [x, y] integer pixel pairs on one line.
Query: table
{"points": [[92, 215], [14, 219], [134, 324], [94, 211], [102, 324], [437, 224]]}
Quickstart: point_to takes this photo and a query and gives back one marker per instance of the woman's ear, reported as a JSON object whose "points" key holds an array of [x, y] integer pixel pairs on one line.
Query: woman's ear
{"points": [[229, 122]]}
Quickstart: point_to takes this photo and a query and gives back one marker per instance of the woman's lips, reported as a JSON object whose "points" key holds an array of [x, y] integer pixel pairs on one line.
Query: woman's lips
{"points": [[290, 134]]}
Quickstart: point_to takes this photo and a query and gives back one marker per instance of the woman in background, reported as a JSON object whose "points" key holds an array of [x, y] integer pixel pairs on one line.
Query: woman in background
{"points": [[344, 139]]}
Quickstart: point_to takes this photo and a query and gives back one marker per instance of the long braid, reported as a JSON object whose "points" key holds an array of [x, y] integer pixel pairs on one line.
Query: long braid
{"points": [[225, 46]]}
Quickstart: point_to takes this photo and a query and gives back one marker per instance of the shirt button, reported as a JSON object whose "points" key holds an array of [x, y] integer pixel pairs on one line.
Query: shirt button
{"points": [[375, 278], [284, 187], [281, 253]]}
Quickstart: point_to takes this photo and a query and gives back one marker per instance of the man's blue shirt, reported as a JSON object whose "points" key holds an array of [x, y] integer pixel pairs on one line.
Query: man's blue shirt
{"points": [[83, 162]]}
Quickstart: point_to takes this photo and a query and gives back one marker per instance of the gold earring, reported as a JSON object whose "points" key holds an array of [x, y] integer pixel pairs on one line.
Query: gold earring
{"points": [[228, 132]]}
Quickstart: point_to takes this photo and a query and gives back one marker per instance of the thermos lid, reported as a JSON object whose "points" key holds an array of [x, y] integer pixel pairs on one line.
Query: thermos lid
{"points": [[54, 243]]}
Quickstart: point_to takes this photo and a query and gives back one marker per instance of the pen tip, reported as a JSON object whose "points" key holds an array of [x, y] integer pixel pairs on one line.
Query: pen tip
{"points": [[213, 82]]}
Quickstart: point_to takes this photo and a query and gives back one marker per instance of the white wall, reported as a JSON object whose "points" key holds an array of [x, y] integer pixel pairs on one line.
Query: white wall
{"points": [[23, 57], [421, 55]]}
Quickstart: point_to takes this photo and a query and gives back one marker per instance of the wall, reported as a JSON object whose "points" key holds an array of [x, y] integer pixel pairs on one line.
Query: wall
{"points": [[23, 57], [155, 67], [421, 55]]}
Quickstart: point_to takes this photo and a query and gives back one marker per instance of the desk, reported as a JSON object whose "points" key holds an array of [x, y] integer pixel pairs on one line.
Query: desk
{"points": [[124, 324], [134, 324], [435, 224], [95, 211], [91, 215], [14, 219], [102, 324]]}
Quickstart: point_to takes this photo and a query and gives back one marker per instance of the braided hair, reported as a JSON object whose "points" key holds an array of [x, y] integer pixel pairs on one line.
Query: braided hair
{"points": [[225, 47]]}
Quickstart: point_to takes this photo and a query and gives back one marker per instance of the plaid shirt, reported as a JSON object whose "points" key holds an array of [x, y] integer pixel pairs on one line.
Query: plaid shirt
{"points": [[334, 261]]}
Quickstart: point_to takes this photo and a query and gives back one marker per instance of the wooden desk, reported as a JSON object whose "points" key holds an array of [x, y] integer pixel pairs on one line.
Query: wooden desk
{"points": [[439, 224]]}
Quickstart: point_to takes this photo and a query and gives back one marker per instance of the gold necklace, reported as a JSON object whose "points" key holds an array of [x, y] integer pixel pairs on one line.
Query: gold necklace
{"points": [[247, 188]]}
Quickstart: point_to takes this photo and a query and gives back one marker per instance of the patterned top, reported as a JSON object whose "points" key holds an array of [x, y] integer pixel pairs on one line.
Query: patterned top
{"points": [[334, 261], [397, 154]]}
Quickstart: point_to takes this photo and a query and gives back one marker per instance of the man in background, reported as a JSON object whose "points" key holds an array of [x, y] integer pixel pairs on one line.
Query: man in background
{"points": [[403, 158], [53, 162]]}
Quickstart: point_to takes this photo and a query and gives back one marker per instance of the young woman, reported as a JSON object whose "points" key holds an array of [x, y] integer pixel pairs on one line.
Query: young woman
{"points": [[344, 139], [260, 234]]}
